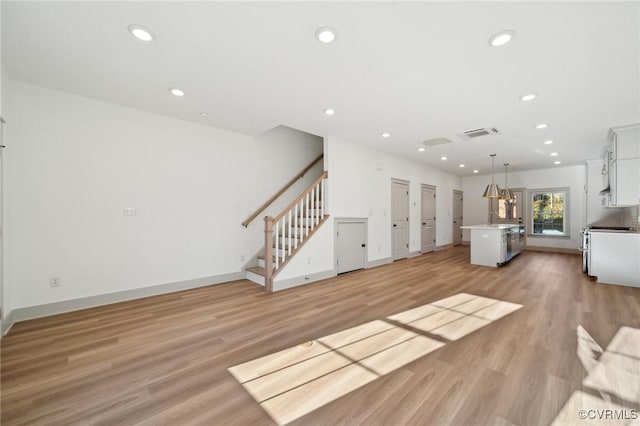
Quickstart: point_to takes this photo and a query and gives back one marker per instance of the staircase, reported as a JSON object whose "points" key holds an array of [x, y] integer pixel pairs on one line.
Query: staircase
{"points": [[286, 233]]}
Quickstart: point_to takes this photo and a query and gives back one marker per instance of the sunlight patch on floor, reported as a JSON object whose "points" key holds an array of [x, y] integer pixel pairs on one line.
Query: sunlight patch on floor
{"points": [[295, 381], [611, 393], [456, 316]]}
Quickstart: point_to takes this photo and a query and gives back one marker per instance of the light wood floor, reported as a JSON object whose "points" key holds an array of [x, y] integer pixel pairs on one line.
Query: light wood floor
{"points": [[166, 359]]}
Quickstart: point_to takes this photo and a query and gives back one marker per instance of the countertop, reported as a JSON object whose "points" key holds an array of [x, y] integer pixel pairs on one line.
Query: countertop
{"points": [[614, 231], [491, 227]]}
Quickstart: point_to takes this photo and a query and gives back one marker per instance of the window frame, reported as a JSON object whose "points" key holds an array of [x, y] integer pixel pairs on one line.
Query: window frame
{"points": [[565, 216]]}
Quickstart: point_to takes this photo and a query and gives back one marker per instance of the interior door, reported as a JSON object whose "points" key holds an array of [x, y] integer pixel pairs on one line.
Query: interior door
{"points": [[351, 246], [457, 217], [428, 222], [399, 219], [502, 211]]}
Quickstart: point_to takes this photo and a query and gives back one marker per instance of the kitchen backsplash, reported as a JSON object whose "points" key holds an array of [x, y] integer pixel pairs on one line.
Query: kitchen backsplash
{"points": [[631, 216]]}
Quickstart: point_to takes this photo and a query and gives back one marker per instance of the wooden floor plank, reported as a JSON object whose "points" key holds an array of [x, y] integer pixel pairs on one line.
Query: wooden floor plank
{"points": [[504, 349]]}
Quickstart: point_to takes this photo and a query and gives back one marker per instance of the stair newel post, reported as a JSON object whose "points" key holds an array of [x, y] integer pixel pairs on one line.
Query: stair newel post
{"points": [[268, 253]]}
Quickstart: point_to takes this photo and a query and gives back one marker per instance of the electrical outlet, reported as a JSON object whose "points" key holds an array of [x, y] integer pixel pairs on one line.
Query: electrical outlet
{"points": [[242, 258], [54, 282], [129, 211], [309, 261]]}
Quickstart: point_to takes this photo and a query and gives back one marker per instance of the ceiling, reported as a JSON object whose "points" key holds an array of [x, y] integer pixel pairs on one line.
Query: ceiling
{"points": [[417, 70]]}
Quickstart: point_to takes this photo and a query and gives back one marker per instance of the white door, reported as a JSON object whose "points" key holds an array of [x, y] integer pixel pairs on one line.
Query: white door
{"points": [[428, 223], [399, 219], [351, 246], [457, 217], [502, 211]]}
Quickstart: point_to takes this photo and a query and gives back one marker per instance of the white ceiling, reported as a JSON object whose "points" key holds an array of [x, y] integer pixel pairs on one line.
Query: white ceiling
{"points": [[417, 70]]}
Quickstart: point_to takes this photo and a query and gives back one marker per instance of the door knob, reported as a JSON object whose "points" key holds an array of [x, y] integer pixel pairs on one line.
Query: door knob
{"points": [[364, 245], [394, 225], [423, 223]]}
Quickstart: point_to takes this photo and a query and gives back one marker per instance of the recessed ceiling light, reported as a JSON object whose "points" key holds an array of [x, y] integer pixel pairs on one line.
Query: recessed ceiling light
{"points": [[557, 162], [421, 149], [461, 165], [204, 114], [502, 38], [554, 154], [476, 171], [141, 33], [542, 126], [385, 135], [177, 92], [528, 97], [329, 111], [443, 158], [326, 34], [549, 142]]}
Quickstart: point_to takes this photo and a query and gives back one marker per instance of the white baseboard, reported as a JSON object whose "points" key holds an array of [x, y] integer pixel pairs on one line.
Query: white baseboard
{"points": [[38, 311], [302, 280], [414, 254], [7, 323], [378, 262]]}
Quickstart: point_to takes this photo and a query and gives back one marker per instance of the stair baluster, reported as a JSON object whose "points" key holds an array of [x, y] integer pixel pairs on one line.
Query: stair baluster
{"points": [[287, 232]]}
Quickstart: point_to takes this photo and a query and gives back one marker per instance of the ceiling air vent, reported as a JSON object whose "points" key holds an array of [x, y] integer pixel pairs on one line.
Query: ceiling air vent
{"points": [[488, 131], [436, 142]]}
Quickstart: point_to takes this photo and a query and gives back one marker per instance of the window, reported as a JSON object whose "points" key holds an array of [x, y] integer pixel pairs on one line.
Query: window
{"points": [[503, 211], [549, 212]]}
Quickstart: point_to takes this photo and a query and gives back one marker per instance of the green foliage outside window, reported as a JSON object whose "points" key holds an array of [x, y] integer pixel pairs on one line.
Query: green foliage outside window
{"points": [[548, 212]]}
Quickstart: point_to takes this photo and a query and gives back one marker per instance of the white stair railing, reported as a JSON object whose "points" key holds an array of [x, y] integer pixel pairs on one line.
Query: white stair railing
{"points": [[285, 233]]}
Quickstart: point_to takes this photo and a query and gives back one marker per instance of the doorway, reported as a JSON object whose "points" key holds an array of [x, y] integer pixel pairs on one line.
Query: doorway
{"points": [[399, 219], [506, 211], [457, 217], [428, 222], [351, 244]]}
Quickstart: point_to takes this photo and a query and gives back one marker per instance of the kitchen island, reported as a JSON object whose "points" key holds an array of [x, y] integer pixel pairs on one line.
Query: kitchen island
{"points": [[495, 245]]}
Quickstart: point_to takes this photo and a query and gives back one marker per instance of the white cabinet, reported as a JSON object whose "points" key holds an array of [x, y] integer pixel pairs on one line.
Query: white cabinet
{"points": [[627, 182], [615, 257], [624, 166]]}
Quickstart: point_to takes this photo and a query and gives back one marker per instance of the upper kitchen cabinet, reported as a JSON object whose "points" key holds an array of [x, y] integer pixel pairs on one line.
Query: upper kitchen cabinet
{"points": [[624, 166]]}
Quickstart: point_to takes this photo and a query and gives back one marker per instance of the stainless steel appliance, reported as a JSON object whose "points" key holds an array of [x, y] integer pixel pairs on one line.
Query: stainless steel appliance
{"points": [[512, 243], [584, 248]]}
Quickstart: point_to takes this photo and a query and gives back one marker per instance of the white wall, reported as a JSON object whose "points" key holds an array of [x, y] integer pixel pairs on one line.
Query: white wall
{"points": [[475, 207], [359, 185], [76, 163], [288, 151]]}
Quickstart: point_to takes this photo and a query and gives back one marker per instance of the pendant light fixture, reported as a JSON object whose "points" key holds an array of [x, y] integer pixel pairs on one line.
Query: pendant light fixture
{"points": [[492, 190], [505, 193]]}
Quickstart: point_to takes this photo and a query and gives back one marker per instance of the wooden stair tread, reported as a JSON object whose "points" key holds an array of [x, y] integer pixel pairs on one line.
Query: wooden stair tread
{"points": [[263, 257], [257, 270]]}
